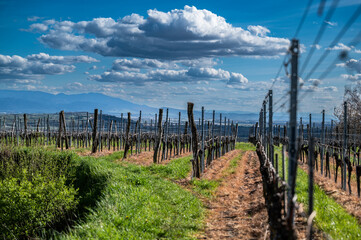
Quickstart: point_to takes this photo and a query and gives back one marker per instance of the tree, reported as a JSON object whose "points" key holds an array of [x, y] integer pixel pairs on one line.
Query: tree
{"points": [[352, 96]]}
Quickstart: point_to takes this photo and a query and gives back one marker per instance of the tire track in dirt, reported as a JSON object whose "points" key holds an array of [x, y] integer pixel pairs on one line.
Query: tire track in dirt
{"points": [[238, 210]]}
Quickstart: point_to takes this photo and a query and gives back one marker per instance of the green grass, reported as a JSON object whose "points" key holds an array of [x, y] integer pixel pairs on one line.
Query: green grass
{"points": [[204, 187], [245, 146], [233, 165], [331, 217], [176, 169], [138, 203]]}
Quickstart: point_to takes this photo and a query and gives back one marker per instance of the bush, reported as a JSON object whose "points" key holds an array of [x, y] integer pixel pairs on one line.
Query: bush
{"points": [[29, 206], [36, 190]]}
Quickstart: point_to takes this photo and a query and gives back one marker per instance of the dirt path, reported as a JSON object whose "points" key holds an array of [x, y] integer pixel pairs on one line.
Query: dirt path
{"points": [[216, 169], [238, 210]]}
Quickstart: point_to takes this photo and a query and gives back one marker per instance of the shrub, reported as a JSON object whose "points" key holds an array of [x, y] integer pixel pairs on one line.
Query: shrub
{"points": [[36, 190]]}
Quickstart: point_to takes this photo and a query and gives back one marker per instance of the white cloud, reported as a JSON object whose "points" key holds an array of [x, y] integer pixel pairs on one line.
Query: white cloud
{"points": [[33, 18], [340, 46], [237, 78], [313, 88], [17, 69], [187, 33], [113, 76], [200, 62], [352, 64], [157, 74], [136, 64], [258, 30], [37, 27], [208, 73], [46, 58], [332, 24], [350, 77], [317, 46], [314, 82]]}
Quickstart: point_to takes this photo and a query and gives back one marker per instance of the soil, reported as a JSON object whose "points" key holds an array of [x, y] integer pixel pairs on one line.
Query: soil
{"points": [[238, 211], [97, 154]]}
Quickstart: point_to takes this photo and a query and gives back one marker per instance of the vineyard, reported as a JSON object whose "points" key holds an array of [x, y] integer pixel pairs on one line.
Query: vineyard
{"points": [[132, 149], [92, 161]]}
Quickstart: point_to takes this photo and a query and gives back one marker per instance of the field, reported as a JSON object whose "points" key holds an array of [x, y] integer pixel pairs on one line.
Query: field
{"points": [[110, 197]]}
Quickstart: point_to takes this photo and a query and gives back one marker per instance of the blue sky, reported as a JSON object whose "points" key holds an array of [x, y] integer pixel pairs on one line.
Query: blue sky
{"points": [[220, 54]]}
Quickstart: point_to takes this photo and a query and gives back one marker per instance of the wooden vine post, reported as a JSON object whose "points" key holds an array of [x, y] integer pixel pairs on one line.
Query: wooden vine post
{"points": [[60, 128], [126, 148], [196, 166], [95, 143], [159, 137], [64, 126], [26, 130]]}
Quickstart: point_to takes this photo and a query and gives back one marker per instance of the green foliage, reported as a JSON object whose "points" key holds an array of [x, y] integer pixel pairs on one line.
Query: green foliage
{"points": [[34, 190], [28, 206], [52, 164]]}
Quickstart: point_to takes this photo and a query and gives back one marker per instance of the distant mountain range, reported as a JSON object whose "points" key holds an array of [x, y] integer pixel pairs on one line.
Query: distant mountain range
{"points": [[40, 102], [12, 101]]}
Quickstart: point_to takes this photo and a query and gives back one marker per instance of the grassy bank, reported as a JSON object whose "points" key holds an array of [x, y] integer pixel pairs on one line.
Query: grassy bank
{"points": [[138, 203], [331, 217]]}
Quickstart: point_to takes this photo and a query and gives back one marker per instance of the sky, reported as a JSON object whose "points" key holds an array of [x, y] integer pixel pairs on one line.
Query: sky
{"points": [[223, 55]]}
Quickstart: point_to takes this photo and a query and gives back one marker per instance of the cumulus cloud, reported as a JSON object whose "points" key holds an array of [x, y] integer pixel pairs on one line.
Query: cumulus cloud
{"points": [[258, 30], [37, 27], [46, 58], [352, 64], [113, 76], [170, 75], [236, 79], [208, 73], [353, 78], [340, 46], [188, 33], [136, 64], [21, 69]]}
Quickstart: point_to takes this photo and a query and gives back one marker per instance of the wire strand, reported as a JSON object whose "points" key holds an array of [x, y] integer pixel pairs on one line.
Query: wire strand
{"points": [[319, 34], [335, 41]]}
